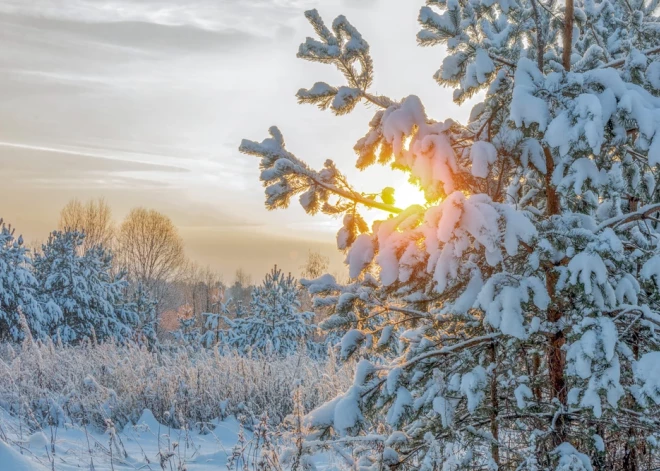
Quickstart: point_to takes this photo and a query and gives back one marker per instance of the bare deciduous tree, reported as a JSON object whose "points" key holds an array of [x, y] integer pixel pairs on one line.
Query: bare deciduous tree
{"points": [[241, 290], [201, 287], [149, 247], [315, 265], [210, 288], [93, 217]]}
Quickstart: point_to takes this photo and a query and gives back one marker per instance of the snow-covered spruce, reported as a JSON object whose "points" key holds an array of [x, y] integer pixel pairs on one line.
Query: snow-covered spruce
{"points": [[79, 293], [525, 295], [188, 332], [142, 307], [18, 290], [274, 324], [213, 332]]}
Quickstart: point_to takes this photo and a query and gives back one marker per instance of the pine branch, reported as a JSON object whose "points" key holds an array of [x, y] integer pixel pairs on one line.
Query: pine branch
{"points": [[620, 62], [600, 44], [302, 170], [357, 198], [643, 213], [411, 313], [501, 60], [630, 9], [378, 100], [453, 348]]}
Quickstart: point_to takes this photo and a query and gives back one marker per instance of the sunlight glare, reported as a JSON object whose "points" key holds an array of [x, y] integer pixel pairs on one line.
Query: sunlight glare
{"points": [[407, 141], [406, 194]]}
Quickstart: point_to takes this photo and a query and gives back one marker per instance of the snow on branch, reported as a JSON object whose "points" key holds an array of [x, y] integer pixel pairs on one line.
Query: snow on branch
{"points": [[643, 213], [284, 175], [620, 62], [346, 49]]}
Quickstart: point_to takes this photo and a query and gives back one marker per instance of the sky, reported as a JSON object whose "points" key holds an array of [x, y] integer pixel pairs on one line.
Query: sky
{"points": [[145, 102]]}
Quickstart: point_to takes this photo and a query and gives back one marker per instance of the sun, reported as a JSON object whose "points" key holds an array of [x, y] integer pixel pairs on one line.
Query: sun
{"points": [[406, 194]]}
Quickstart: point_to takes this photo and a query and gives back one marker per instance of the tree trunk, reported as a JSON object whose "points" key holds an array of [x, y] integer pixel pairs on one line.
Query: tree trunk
{"points": [[599, 462], [552, 200], [568, 35], [556, 358], [540, 42], [536, 367], [556, 354], [630, 457], [495, 406]]}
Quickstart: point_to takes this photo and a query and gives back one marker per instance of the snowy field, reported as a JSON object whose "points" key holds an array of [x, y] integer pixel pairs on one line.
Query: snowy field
{"points": [[145, 445], [90, 407], [137, 446]]}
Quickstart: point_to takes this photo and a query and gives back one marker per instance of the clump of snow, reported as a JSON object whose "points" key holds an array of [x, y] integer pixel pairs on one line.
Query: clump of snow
{"points": [[653, 74], [360, 255], [483, 155], [651, 270], [347, 413], [472, 387], [526, 108], [350, 342], [585, 267], [446, 408], [521, 393], [647, 373], [571, 460]]}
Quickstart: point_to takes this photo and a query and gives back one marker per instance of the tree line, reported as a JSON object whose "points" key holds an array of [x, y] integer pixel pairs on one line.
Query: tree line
{"points": [[128, 282]]}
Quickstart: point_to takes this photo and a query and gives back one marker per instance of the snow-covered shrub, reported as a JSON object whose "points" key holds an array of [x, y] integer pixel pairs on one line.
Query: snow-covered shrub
{"points": [[48, 383], [188, 332]]}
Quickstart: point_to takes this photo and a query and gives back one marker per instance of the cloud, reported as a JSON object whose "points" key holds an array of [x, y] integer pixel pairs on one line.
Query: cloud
{"points": [[255, 16], [54, 43], [359, 3], [28, 164], [136, 34]]}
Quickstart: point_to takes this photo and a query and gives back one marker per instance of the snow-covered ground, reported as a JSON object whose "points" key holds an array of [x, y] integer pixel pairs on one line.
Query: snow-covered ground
{"points": [[43, 383], [144, 443], [139, 446]]}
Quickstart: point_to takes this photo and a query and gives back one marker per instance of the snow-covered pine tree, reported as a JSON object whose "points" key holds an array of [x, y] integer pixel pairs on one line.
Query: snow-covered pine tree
{"points": [[528, 286], [274, 324], [80, 291], [238, 308], [142, 305], [17, 289], [188, 332], [358, 307], [213, 332]]}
